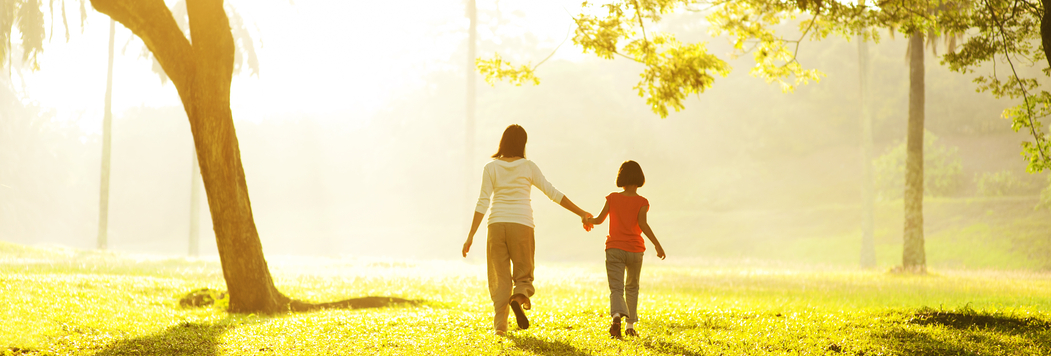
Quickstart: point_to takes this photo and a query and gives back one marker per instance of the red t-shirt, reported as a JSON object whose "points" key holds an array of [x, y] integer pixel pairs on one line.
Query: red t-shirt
{"points": [[624, 230]]}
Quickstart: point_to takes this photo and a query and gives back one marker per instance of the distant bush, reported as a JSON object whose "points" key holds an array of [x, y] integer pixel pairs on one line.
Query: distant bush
{"points": [[1045, 195], [1000, 183], [941, 170]]}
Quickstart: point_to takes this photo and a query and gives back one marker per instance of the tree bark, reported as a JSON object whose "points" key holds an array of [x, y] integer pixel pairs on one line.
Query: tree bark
{"points": [[107, 137], [868, 248], [913, 256], [202, 73]]}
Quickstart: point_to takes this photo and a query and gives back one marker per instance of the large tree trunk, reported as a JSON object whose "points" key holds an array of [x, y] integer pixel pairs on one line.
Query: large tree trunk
{"points": [[868, 248], [247, 275], [202, 73], [913, 257], [107, 137]]}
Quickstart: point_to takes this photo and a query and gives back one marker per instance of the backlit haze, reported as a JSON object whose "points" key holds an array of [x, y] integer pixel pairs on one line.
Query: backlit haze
{"points": [[352, 138]]}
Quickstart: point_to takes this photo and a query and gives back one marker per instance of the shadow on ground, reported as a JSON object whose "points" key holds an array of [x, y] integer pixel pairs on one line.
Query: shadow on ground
{"points": [[670, 348], [970, 333], [203, 338], [182, 339], [545, 347]]}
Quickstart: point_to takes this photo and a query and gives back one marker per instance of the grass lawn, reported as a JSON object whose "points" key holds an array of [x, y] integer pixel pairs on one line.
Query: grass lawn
{"points": [[89, 303]]}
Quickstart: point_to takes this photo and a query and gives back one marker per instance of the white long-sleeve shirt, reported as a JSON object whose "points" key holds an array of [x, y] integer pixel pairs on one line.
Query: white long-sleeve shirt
{"points": [[509, 184]]}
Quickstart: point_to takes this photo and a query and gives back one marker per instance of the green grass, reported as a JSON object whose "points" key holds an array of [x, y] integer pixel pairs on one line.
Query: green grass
{"points": [[85, 303], [959, 233]]}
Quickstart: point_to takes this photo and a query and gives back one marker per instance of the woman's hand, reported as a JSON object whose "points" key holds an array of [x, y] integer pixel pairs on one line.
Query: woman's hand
{"points": [[587, 221], [467, 246]]}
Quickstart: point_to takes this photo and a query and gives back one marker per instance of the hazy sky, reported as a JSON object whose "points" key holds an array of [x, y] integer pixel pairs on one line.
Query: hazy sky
{"points": [[337, 59], [353, 143]]}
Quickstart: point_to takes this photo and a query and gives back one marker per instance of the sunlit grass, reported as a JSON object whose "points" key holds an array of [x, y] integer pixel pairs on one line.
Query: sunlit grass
{"points": [[70, 302]]}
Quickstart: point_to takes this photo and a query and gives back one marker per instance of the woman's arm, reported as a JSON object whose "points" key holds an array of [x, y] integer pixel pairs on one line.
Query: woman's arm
{"points": [[649, 233], [601, 216], [480, 208], [470, 235], [568, 204]]}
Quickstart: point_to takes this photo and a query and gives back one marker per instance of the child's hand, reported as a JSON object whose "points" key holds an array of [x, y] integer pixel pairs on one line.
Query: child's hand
{"points": [[586, 220], [660, 252]]}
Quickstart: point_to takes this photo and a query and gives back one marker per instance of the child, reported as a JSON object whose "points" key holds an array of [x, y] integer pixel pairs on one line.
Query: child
{"points": [[624, 245]]}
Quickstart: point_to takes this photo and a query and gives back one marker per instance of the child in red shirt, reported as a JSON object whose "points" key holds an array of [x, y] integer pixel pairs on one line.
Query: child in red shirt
{"points": [[624, 245]]}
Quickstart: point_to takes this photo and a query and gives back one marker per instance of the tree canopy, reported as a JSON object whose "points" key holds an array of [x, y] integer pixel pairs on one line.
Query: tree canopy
{"points": [[977, 34]]}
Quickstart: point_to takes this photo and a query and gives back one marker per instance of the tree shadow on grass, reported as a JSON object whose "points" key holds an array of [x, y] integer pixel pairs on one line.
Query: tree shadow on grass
{"points": [[545, 347], [968, 320], [669, 348], [203, 338], [976, 331], [352, 303], [181, 339]]}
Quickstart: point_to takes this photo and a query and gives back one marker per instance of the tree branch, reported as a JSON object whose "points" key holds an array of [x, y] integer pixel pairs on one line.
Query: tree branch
{"points": [[1021, 85], [556, 48], [795, 53], [638, 14], [153, 23]]}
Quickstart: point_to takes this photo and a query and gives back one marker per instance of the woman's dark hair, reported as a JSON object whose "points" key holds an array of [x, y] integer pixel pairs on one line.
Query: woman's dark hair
{"points": [[512, 144], [630, 173]]}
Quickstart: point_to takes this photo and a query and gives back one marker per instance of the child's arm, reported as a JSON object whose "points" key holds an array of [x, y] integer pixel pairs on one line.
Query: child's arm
{"points": [[649, 233], [601, 216]]}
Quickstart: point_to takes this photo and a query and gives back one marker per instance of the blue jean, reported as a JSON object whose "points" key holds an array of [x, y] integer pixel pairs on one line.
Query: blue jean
{"points": [[620, 288]]}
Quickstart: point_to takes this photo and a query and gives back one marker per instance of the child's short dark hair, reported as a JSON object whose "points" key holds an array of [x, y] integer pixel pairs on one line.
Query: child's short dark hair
{"points": [[512, 143], [630, 173]]}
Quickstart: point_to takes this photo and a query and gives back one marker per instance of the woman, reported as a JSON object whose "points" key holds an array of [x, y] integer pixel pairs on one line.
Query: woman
{"points": [[509, 179]]}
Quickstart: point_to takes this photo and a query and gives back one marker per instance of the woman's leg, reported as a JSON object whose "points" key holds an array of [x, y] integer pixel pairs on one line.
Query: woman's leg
{"points": [[633, 264], [499, 262], [615, 275], [521, 247]]}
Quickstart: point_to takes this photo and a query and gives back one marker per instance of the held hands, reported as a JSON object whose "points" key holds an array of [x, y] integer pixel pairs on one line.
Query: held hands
{"points": [[586, 220]]}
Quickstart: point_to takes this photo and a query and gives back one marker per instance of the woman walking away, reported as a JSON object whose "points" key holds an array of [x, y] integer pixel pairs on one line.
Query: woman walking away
{"points": [[624, 245], [509, 246]]}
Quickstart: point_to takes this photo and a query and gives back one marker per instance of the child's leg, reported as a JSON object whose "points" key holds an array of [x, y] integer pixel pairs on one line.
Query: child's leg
{"points": [[499, 266], [633, 264], [615, 275], [521, 246]]}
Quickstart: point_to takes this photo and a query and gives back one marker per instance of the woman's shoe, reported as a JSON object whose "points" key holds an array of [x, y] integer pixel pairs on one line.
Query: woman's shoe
{"points": [[631, 332], [520, 317]]}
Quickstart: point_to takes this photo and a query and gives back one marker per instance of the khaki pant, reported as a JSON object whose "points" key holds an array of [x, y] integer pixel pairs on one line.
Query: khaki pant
{"points": [[509, 251]]}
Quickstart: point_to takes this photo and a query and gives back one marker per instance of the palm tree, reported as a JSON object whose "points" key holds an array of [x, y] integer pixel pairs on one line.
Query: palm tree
{"points": [[868, 249], [107, 137], [472, 14]]}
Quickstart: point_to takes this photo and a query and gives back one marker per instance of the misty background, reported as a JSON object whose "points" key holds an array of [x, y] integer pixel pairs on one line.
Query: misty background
{"points": [[353, 143]]}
